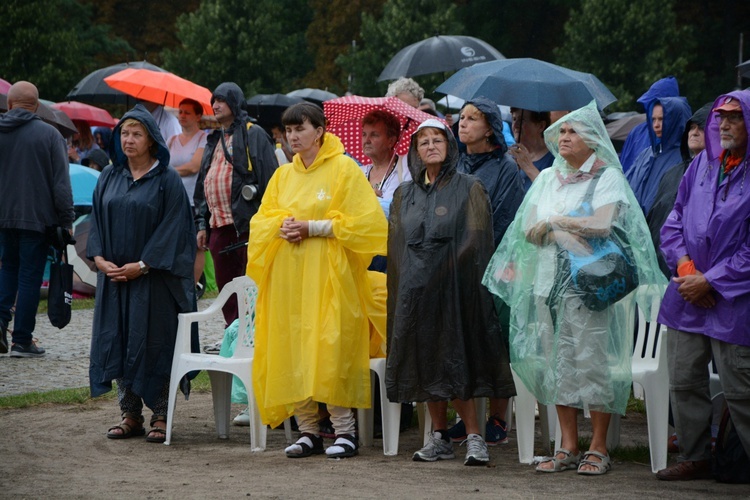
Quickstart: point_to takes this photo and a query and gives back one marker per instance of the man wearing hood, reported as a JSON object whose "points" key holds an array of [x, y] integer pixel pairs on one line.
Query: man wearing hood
{"points": [[666, 118], [638, 138], [693, 142], [35, 194], [237, 164], [706, 243]]}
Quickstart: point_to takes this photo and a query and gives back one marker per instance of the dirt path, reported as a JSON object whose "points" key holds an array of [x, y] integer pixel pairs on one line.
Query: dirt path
{"points": [[62, 452]]}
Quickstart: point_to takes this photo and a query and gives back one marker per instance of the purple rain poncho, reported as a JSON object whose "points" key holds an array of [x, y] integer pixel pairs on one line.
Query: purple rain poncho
{"points": [[710, 222], [563, 352]]}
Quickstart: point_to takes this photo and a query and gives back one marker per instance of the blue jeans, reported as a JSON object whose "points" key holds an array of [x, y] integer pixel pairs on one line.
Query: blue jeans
{"points": [[23, 254]]}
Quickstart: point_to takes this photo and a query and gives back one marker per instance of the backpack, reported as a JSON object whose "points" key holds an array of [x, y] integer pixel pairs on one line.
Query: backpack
{"points": [[731, 463]]}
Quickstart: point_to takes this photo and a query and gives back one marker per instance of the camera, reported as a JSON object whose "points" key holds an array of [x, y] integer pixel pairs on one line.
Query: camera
{"points": [[249, 192]]}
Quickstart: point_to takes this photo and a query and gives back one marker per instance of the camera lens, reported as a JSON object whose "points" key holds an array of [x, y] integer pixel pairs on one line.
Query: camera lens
{"points": [[248, 192]]}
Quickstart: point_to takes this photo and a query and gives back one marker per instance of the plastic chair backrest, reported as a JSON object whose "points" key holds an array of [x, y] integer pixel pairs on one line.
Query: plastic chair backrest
{"points": [[247, 294], [648, 340]]}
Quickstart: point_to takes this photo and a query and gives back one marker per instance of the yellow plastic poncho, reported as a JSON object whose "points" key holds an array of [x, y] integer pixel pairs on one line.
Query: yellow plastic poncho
{"points": [[317, 303]]}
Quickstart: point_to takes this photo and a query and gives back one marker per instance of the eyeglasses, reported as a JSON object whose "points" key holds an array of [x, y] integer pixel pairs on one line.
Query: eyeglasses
{"points": [[731, 117], [427, 143]]}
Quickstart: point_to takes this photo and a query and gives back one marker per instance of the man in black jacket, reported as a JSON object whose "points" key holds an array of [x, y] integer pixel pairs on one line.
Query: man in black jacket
{"points": [[35, 195], [237, 164]]}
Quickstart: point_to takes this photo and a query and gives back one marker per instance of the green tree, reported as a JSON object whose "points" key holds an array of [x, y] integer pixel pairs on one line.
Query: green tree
{"points": [[149, 27], [628, 44], [402, 23], [334, 25], [53, 44], [262, 48]]}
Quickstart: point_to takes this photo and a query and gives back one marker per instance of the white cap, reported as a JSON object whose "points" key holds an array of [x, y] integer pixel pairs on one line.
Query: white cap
{"points": [[432, 123]]}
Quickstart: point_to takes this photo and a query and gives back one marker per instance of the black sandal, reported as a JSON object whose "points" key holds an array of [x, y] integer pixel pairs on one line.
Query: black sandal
{"points": [[345, 446], [157, 434], [310, 444], [128, 431]]}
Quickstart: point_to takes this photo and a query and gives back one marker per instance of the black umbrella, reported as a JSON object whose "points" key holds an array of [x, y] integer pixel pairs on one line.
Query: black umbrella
{"points": [[56, 118], [439, 54], [315, 96], [268, 108], [93, 90]]}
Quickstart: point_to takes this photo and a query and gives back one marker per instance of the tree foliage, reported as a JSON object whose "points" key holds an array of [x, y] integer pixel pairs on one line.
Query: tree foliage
{"points": [[53, 44], [147, 26], [261, 48], [334, 25], [628, 44], [402, 23]]}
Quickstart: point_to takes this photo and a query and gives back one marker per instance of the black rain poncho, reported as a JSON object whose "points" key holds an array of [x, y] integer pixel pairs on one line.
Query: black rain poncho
{"points": [[564, 352], [444, 338], [135, 322]]}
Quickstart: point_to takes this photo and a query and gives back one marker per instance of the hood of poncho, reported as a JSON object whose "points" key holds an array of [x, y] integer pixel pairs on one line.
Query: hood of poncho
{"points": [[141, 114], [588, 124], [234, 97], [494, 118], [417, 166], [713, 141]]}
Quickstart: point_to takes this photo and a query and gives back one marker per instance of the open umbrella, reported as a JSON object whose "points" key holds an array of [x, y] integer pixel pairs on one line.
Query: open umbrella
{"points": [[84, 270], [4, 86], [439, 54], [90, 114], [268, 108], [315, 96], [529, 84], [56, 118], [345, 120], [93, 90], [160, 87], [82, 182]]}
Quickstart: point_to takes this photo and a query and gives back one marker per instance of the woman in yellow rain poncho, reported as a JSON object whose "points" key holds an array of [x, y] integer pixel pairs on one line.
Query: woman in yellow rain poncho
{"points": [[316, 231]]}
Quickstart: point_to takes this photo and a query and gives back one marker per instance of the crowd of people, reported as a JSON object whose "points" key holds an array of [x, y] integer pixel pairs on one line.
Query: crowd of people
{"points": [[454, 262]]}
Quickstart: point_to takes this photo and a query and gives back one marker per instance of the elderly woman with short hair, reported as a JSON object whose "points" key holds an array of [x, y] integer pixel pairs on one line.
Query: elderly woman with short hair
{"points": [[571, 345], [142, 240]]}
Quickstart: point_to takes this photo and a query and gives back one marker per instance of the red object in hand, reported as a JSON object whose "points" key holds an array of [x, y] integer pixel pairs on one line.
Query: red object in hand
{"points": [[686, 269]]}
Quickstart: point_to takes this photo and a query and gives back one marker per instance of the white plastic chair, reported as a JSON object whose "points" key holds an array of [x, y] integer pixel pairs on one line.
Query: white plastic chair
{"points": [[391, 413], [525, 403], [649, 368], [220, 369]]}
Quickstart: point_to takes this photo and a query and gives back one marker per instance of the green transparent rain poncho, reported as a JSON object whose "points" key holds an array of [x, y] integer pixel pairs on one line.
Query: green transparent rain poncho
{"points": [[563, 351]]}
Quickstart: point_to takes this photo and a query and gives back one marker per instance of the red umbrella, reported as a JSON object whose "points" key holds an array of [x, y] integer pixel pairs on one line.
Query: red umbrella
{"points": [[4, 86], [345, 120], [167, 89], [91, 114]]}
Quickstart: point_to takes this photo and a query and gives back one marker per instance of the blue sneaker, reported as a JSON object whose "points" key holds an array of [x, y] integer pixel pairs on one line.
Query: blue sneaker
{"points": [[496, 432], [457, 433]]}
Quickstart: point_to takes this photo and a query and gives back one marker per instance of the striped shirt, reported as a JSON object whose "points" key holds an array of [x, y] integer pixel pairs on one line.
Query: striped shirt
{"points": [[218, 186]]}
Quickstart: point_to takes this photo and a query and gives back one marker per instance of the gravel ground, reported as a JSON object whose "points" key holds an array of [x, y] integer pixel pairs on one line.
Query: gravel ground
{"points": [[66, 364]]}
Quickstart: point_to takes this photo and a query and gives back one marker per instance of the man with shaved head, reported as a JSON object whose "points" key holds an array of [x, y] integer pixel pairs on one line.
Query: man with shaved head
{"points": [[35, 195]]}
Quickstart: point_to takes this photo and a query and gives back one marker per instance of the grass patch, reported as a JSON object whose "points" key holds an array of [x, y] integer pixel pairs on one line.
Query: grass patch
{"points": [[81, 395], [636, 405], [79, 304]]}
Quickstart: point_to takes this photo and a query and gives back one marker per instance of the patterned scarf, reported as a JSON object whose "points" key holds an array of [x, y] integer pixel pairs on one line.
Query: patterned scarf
{"points": [[580, 176]]}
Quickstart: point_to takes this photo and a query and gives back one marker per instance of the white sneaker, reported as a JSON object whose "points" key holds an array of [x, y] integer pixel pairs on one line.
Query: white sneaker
{"points": [[435, 449], [243, 419], [476, 450]]}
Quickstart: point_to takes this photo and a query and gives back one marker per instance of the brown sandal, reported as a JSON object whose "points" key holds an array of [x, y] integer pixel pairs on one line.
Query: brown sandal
{"points": [[128, 431], [157, 434]]}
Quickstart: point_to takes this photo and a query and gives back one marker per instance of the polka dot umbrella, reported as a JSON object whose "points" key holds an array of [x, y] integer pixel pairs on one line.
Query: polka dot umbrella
{"points": [[345, 121]]}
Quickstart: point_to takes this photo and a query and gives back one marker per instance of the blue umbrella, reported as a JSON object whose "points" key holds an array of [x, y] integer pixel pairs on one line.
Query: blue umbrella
{"points": [[528, 84], [83, 181]]}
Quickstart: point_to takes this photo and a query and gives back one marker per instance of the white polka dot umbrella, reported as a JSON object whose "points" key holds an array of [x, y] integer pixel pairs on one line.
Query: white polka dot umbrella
{"points": [[345, 121]]}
